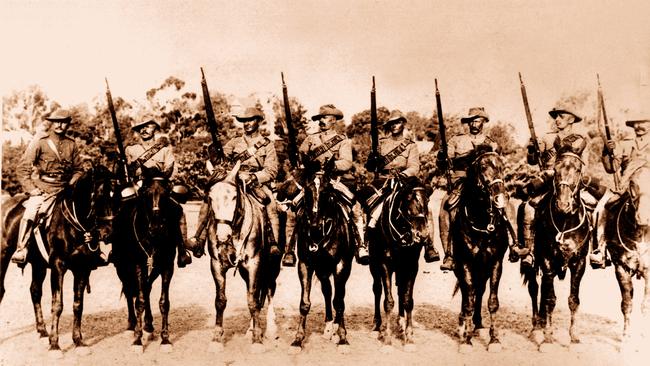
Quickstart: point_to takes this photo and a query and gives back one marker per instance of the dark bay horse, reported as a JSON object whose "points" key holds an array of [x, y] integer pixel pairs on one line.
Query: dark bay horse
{"points": [[145, 247], [325, 246], [237, 238], [628, 240], [81, 220], [395, 246], [479, 233], [562, 228]]}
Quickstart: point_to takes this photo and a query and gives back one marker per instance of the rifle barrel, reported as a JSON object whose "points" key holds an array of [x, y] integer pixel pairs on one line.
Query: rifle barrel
{"points": [[529, 120], [292, 150], [209, 113], [442, 133]]}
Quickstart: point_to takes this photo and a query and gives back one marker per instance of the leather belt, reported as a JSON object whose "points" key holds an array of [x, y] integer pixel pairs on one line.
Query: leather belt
{"points": [[51, 178]]}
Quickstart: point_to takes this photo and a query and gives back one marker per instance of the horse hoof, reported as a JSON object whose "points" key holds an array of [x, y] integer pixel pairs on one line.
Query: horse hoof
{"points": [[44, 340], [495, 347], [410, 348], [465, 348], [537, 336], [55, 354], [483, 334], [215, 347], [546, 347], [149, 336], [387, 349], [166, 348], [294, 350], [129, 333], [329, 330], [343, 349], [82, 351], [374, 334], [257, 348], [335, 339], [137, 349]]}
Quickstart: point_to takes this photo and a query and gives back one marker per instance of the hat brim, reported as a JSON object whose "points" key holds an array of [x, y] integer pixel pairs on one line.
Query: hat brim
{"points": [[246, 119], [139, 126], [318, 116], [57, 119], [632, 122], [554, 113], [471, 118], [395, 120]]}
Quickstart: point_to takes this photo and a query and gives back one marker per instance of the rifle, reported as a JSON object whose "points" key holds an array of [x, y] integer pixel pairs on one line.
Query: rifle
{"points": [[608, 134], [374, 157], [443, 136], [118, 135], [212, 122], [292, 150], [529, 119]]}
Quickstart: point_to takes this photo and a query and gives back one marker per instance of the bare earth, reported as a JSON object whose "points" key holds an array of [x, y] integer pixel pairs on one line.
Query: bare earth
{"points": [[436, 312]]}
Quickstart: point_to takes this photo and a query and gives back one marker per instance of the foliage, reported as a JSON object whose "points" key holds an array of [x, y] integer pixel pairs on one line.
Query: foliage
{"points": [[10, 158]]}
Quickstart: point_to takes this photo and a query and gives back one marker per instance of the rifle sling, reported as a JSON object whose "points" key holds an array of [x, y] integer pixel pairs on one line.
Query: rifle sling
{"points": [[249, 153], [325, 146], [150, 152], [397, 151]]}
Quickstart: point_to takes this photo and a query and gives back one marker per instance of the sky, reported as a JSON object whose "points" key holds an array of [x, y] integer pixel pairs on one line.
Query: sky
{"points": [[330, 50]]}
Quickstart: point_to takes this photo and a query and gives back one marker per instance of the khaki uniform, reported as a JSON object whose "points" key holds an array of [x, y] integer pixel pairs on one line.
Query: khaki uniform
{"points": [[630, 152], [162, 160], [460, 148], [342, 151], [407, 163]]}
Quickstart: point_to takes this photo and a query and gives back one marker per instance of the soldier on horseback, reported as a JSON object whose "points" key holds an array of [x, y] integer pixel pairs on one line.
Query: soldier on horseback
{"points": [[321, 147], [627, 157], [259, 166], [152, 152], [564, 139], [460, 151], [400, 161], [50, 163]]}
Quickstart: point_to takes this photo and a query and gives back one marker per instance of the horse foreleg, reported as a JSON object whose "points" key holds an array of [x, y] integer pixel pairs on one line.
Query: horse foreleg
{"points": [[271, 328], [5, 258], [574, 297], [148, 316], [166, 278], [140, 304], [493, 305], [36, 291], [405, 289], [385, 334], [305, 276], [477, 317], [627, 292], [547, 306], [326, 289], [377, 279], [467, 306], [80, 283], [340, 279], [254, 302], [220, 300], [56, 281], [533, 292]]}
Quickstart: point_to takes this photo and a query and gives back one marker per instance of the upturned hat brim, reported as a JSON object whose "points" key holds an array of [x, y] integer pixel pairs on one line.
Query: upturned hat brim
{"points": [[59, 116], [246, 119], [139, 126], [318, 116], [471, 118], [555, 112], [631, 123]]}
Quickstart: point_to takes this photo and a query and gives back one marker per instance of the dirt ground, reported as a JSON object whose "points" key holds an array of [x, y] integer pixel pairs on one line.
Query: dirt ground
{"points": [[436, 312]]}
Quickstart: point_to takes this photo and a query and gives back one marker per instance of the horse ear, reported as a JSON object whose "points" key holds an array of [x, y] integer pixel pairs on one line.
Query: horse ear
{"points": [[233, 172]]}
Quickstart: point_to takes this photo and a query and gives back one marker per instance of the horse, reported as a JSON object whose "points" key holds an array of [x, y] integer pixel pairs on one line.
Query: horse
{"points": [[627, 236], [145, 247], [81, 221], [325, 246], [562, 229], [479, 231], [395, 246], [238, 238]]}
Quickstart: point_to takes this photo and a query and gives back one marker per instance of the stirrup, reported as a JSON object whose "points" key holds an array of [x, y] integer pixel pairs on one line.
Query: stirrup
{"points": [[597, 259], [289, 259]]}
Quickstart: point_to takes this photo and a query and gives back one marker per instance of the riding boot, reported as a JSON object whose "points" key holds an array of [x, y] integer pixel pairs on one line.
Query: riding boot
{"points": [[443, 225], [289, 259], [197, 242], [597, 258], [184, 258], [362, 254], [274, 233], [527, 253], [24, 232]]}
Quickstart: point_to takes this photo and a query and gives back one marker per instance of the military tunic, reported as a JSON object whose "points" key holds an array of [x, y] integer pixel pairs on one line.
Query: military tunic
{"points": [[263, 160], [49, 164], [460, 148], [407, 162], [162, 160], [630, 153], [342, 151], [552, 142]]}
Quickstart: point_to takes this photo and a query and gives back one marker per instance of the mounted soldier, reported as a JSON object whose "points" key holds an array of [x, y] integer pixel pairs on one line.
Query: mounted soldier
{"points": [[564, 139], [399, 162], [319, 148], [151, 152], [460, 149], [259, 166], [626, 158], [50, 163]]}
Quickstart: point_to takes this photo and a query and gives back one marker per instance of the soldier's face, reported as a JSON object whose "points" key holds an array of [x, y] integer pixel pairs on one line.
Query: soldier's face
{"points": [[60, 127], [397, 127], [641, 128], [476, 126], [563, 120], [251, 126], [326, 122], [147, 131]]}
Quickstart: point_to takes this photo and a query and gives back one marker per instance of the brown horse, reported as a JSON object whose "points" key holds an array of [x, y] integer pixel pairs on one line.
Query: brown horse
{"points": [[479, 233], [81, 219], [562, 228], [628, 240], [238, 238], [395, 246]]}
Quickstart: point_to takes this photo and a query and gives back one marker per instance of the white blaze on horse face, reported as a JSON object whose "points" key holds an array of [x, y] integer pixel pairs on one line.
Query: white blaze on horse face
{"points": [[316, 194], [223, 199]]}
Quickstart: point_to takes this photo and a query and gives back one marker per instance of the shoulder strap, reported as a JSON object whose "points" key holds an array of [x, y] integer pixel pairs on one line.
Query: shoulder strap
{"points": [[320, 150], [148, 154], [249, 153], [397, 151], [52, 146]]}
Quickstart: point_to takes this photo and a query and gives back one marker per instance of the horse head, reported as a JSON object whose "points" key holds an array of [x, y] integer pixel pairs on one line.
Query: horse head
{"points": [[566, 183], [639, 190], [318, 202], [410, 218], [486, 172], [156, 198], [223, 199]]}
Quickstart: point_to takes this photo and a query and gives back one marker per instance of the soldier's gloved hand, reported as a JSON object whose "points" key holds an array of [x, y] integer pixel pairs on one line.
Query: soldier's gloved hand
{"points": [[441, 162], [35, 192], [609, 147], [245, 177]]}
